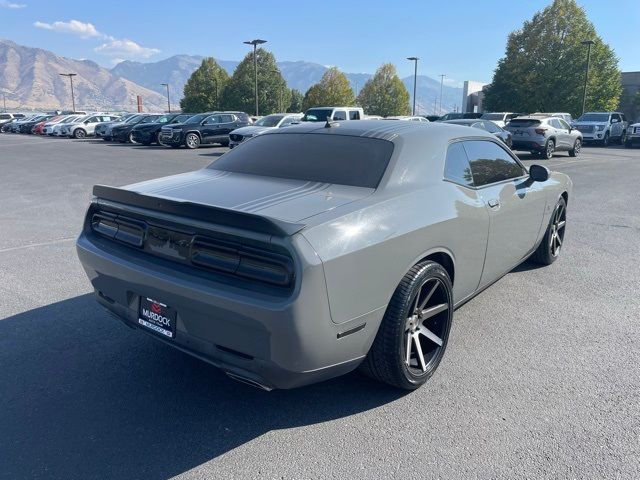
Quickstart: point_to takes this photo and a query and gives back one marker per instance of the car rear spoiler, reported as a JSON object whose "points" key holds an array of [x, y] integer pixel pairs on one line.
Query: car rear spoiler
{"points": [[197, 211]]}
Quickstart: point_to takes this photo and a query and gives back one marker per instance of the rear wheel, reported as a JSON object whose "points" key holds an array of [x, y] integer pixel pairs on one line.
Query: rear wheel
{"points": [[577, 146], [192, 141], [549, 249], [79, 133], [413, 335], [549, 149]]}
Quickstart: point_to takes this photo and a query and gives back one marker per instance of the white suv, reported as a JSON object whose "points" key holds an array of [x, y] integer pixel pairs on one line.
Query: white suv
{"points": [[602, 127], [85, 126]]}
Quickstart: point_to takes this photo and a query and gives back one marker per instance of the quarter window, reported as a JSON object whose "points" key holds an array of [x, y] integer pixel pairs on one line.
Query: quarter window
{"points": [[490, 127], [226, 118], [456, 166], [490, 163], [564, 124], [354, 115]]}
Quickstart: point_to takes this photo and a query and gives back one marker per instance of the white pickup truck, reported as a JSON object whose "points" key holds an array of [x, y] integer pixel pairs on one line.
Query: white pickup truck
{"points": [[322, 114]]}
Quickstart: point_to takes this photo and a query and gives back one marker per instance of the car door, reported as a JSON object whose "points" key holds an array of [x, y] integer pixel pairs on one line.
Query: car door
{"points": [[228, 123], [570, 134], [563, 137], [515, 205], [209, 129], [616, 125]]}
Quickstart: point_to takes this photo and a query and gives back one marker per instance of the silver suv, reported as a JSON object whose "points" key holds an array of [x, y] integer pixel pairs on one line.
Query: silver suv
{"points": [[544, 135], [603, 127]]}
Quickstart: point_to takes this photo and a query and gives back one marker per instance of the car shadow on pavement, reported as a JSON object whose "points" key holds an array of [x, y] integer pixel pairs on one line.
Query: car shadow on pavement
{"points": [[83, 396]]}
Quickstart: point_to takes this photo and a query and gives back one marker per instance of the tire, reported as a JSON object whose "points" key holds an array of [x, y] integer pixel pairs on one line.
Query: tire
{"points": [[192, 141], [130, 138], [225, 144], [605, 140], [623, 138], [429, 283], [577, 147], [79, 133], [550, 247], [549, 149], [159, 138]]}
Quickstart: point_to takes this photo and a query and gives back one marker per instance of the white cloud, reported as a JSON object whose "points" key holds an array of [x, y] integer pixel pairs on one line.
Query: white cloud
{"points": [[75, 27], [8, 4], [125, 48]]}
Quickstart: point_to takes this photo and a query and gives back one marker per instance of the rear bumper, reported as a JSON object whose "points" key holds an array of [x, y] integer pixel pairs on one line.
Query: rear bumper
{"points": [[527, 144], [275, 342]]}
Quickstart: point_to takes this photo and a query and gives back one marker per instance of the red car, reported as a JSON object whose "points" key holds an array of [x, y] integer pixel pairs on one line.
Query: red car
{"points": [[39, 127]]}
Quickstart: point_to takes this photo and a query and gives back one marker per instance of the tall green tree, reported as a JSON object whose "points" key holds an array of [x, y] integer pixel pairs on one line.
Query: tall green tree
{"points": [[385, 94], [333, 89], [544, 65], [295, 106], [273, 93], [203, 90]]}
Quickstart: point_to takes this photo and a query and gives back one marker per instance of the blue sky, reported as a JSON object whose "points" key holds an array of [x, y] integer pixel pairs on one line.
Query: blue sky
{"points": [[460, 38]]}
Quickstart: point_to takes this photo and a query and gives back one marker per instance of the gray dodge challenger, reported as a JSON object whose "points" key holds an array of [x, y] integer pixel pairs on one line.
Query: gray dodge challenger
{"points": [[310, 251]]}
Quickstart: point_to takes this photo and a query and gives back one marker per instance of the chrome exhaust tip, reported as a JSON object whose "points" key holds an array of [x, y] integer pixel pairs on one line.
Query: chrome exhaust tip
{"points": [[248, 381]]}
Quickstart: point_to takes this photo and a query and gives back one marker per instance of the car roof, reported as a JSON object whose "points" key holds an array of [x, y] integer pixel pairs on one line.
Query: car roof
{"points": [[466, 121]]}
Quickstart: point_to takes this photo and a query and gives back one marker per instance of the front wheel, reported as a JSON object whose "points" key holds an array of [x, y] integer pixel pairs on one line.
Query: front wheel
{"points": [[192, 141], [605, 140], [577, 146], [79, 133], [130, 138], [549, 249], [623, 138], [414, 332]]}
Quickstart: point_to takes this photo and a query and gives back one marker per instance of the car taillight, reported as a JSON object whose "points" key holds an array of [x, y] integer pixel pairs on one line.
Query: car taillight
{"points": [[540, 131], [113, 226]]}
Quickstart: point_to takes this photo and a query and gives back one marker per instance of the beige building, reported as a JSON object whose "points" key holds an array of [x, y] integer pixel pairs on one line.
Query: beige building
{"points": [[472, 96]]}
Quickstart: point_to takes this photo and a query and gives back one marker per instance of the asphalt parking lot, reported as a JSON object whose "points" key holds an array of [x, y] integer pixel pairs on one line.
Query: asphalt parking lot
{"points": [[541, 378]]}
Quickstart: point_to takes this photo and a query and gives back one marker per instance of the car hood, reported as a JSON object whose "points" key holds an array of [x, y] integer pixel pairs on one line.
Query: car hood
{"points": [[279, 198], [590, 123], [251, 130], [145, 126]]}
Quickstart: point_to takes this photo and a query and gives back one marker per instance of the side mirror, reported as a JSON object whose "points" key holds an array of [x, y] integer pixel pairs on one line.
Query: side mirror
{"points": [[538, 173], [614, 120]]}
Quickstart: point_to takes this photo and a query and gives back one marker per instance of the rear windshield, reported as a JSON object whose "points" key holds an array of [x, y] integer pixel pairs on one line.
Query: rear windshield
{"points": [[523, 122], [493, 116], [325, 158]]}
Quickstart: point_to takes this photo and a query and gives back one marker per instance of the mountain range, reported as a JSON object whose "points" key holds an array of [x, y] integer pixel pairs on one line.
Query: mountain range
{"points": [[30, 78]]}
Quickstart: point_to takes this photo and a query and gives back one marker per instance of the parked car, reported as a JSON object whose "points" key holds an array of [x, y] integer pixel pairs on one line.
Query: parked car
{"points": [[27, 126], [6, 118], [458, 115], [17, 124], [487, 126], [603, 127], [147, 132], [408, 118], [85, 126], [633, 135], [563, 115], [499, 118], [432, 118], [351, 221], [123, 132], [204, 129], [322, 114], [51, 127], [544, 135], [103, 130], [276, 120], [38, 128]]}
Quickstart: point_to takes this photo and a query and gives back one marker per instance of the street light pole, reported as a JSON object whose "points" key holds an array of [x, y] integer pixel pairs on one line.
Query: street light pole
{"points": [[168, 99], [255, 43], [4, 101], [415, 77], [71, 75], [586, 73], [441, 83]]}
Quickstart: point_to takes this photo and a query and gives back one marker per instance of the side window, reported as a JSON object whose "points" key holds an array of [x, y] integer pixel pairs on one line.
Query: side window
{"points": [[615, 116], [490, 163], [212, 120], [92, 119], [227, 118], [340, 115], [456, 166], [564, 124], [287, 121], [624, 119], [354, 115], [490, 127]]}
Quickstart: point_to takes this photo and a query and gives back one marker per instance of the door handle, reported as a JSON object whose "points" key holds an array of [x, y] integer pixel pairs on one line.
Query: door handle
{"points": [[493, 203]]}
